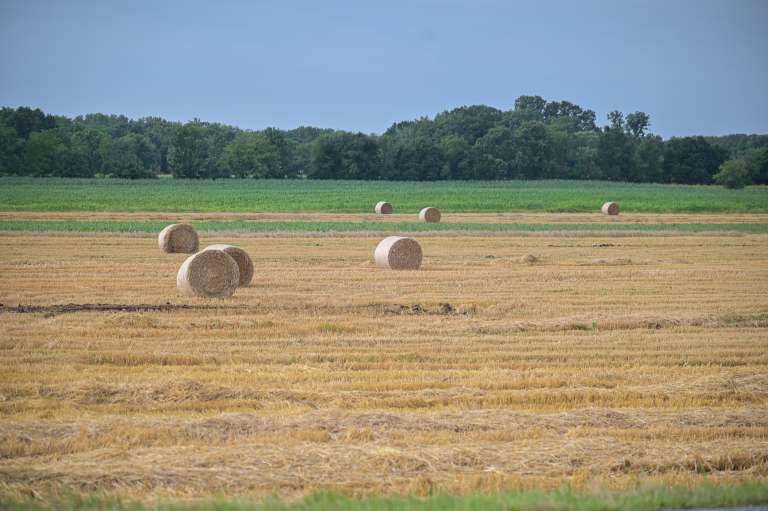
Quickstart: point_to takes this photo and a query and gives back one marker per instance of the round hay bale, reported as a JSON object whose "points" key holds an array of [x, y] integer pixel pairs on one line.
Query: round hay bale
{"points": [[610, 208], [429, 215], [210, 273], [241, 257], [529, 259], [178, 238], [383, 208], [398, 253]]}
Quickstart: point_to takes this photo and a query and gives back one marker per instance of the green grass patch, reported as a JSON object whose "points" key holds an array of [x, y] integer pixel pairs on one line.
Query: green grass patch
{"points": [[262, 226], [249, 195], [560, 500]]}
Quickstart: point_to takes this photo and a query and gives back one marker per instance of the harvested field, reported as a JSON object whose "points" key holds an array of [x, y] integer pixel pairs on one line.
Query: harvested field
{"points": [[614, 361]]}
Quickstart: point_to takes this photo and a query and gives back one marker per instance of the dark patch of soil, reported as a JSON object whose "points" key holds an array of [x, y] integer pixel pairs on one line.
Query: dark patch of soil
{"points": [[443, 309], [52, 310]]}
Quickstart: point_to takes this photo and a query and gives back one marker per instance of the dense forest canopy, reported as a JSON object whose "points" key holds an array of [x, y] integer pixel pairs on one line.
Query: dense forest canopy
{"points": [[537, 139]]}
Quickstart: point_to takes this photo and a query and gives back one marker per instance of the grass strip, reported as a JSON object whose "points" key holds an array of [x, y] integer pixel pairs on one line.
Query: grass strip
{"points": [[260, 226], [649, 499]]}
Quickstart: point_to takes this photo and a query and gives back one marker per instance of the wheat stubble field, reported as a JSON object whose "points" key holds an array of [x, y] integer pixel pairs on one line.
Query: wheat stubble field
{"points": [[616, 360]]}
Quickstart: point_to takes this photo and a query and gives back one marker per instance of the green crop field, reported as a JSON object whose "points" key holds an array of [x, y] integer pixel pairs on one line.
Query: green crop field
{"points": [[648, 499], [236, 195], [154, 226]]}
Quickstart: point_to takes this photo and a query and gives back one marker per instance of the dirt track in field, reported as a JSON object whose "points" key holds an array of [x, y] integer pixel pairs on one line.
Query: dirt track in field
{"points": [[523, 218]]}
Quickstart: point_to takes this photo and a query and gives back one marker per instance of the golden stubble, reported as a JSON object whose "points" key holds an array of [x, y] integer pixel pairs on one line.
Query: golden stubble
{"points": [[617, 360]]}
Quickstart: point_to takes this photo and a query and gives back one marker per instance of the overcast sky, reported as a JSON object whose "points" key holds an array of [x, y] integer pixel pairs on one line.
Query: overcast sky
{"points": [[696, 66]]}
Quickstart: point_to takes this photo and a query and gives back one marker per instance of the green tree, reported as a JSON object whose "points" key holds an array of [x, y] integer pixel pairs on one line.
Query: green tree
{"points": [[532, 148], [649, 158], [637, 123], [739, 145], [733, 174], [115, 126], [692, 160], [343, 155], [43, 154], [240, 156], [87, 142], [251, 154], [615, 151], [467, 122], [326, 158], [300, 141], [586, 156], [410, 130], [11, 147], [757, 165], [217, 138], [497, 154], [279, 167], [458, 161], [188, 155], [413, 159], [562, 150], [569, 117], [531, 108], [26, 121], [616, 119], [130, 156], [160, 134]]}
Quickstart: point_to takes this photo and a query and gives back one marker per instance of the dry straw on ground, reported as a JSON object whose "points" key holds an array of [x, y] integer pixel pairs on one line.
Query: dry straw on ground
{"points": [[383, 208], [610, 208], [210, 273], [429, 215], [572, 374], [241, 257], [178, 238], [398, 253]]}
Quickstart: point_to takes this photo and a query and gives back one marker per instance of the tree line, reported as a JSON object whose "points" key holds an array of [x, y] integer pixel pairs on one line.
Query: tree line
{"points": [[537, 139]]}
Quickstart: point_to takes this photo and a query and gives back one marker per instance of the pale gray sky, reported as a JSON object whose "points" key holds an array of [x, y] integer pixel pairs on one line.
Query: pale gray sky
{"points": [[696, 66]]}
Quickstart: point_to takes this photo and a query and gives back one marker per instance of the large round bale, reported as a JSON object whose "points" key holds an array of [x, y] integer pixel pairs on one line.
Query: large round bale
{"points": [[383, 208], [178, 238], [610, 208], [398, 253], [429, 215], [241, 257], [210, 273]]}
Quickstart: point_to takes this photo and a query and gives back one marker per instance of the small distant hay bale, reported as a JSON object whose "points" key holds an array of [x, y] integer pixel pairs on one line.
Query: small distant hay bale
{"points": [[383, 208], [241, 257], [210, 273], [178, 239], [398, 253], [429, 215], [529, 259], [610, 208]]}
